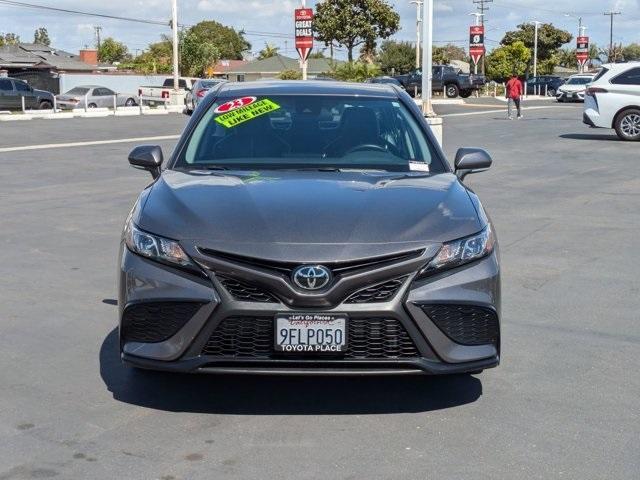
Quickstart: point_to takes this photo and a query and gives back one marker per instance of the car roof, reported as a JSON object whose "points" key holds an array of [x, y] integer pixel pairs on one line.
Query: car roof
{"points": [[308, 87], [90, 86], [621, 66]]}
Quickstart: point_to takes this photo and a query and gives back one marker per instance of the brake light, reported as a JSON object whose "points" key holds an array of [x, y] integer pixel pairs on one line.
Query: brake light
{"points": [[202, 92], [591, 91], [165, 94]]}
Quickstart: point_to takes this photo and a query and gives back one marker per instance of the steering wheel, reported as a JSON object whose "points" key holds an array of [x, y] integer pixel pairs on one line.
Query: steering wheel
{"points": [[366, 146]]}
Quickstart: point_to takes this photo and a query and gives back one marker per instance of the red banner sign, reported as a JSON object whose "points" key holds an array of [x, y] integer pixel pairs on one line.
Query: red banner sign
{"points": [[476, 43], [582, 50], [304, 32]]}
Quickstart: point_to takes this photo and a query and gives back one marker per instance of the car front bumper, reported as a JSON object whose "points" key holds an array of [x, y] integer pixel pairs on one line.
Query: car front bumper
{"points": [[209, 304]]}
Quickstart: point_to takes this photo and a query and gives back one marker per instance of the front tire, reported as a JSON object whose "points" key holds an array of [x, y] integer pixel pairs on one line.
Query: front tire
{"points": [[466, 93], [452, 90], [130, 102], [627, 125], [46, 105], [551, 92], [92, 105]]}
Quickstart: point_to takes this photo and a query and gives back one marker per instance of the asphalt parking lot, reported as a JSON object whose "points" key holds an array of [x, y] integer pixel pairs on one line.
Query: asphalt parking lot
{"points": [[563, 404]]}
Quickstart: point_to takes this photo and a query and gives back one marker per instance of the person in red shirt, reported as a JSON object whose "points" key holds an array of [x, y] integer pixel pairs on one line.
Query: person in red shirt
{"points": [[514, 93]]}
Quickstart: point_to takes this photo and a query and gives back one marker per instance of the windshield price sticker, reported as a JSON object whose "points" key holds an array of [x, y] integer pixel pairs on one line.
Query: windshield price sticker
{"points": [[243, 114], [235, 104]]}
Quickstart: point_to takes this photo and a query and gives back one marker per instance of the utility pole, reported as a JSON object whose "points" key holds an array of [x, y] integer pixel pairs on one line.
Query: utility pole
{"points": [[611, 14], [174, 28], [482, 8], [427, 60], [305, 64], [98, 29], [418, 4]]}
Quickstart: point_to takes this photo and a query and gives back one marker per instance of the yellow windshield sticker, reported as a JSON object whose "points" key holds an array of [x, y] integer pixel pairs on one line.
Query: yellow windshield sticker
{"points": [[249, 112]]}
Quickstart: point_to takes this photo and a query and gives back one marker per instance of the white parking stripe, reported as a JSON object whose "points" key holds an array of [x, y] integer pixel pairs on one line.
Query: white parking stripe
{"points": [[504, 109], [88, 144]]}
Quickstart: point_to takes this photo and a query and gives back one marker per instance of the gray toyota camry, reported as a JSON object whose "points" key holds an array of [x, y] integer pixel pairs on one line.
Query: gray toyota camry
{"points": [[309, 228]]}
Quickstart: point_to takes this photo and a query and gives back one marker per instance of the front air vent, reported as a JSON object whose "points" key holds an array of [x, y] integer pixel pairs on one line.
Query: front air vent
{"points": [[382, 292], [245, 292]]}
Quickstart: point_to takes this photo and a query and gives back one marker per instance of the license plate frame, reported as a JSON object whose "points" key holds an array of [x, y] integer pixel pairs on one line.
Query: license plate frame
{"points": [[298, 341]]}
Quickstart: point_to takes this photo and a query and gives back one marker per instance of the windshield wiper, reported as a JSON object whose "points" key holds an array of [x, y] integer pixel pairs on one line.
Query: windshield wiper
{"points": [[213, 167], [319, 169]]}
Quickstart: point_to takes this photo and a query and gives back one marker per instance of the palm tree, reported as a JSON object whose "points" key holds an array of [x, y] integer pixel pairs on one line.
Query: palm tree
{"points": [[268, 51]]}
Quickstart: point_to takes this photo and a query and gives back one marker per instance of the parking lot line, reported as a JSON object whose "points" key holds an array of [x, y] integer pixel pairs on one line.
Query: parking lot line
{"points": [[87, 144], [484, 112]]}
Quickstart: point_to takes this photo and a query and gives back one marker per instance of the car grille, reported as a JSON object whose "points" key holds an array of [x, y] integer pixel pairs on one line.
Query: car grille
{"points": [[378, 293], [337, 268], [156, 321], [246, 293], [465, 324], [367, 338]]}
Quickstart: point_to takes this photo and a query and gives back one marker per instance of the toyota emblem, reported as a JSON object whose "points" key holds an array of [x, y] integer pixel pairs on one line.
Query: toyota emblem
{"points": [[312, 277]]}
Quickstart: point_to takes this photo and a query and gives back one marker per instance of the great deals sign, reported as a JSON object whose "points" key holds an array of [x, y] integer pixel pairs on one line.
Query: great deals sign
{"points": [[582, 50], [476, 43], [304, 31]]}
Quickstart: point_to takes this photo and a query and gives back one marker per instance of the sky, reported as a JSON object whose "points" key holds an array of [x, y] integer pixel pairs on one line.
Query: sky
{"points": [[271, 20]]}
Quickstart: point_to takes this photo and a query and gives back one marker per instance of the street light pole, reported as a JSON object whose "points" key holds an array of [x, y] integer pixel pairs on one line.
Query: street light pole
{"points": [[174, 27], [535, 50], [427, 60], [418, 4]]}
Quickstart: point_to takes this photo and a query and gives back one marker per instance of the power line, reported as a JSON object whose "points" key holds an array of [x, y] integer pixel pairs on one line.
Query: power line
{"points": [[79, 12]]}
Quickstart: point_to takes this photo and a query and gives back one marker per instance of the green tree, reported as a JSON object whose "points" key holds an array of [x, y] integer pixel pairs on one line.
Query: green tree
{"points": [[268, 51], [9, 39], [354, 22], [111, 51], [41, 36], [504, 61], [231, 45], [446, 54], [631, 52], [397, 57], [354, 71], [290, 75], [550, 39], [196, 54], [318, 54], [566, 57]]}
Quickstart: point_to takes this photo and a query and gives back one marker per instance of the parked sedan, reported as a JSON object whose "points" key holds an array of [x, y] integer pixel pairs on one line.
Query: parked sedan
{"points": [[198, 92], [93, 96], [544, 85], [339, 242], [574, 89]]}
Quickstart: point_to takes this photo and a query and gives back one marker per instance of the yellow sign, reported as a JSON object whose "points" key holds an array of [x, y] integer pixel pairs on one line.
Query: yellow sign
{"points": [[244, 114]]}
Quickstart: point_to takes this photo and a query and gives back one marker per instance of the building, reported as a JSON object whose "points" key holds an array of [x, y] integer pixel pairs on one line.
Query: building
{"points": [[40, 65], [270, 68]]}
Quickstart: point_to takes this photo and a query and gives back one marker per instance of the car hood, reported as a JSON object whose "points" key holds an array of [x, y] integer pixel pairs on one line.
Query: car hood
{"points": [[308, 216], [43, 93]]}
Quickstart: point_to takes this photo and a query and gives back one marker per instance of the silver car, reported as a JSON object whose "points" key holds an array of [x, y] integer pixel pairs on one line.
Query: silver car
{"points": [[94, 96], [198, 92]]}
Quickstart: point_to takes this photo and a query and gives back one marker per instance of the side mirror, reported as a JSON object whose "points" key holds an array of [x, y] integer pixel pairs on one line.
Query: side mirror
{"points": [[471, 160], [147, 157]]}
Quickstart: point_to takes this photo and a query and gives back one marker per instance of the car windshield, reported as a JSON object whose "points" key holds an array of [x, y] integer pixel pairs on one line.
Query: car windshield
{"points": [[209, 83], [309, 132], [78, 91], [579, 81]]}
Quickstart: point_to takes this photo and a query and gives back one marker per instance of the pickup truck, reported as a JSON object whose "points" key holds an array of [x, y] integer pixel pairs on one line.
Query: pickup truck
{"points": [[158, 95], [447, 79], [12, 89]]}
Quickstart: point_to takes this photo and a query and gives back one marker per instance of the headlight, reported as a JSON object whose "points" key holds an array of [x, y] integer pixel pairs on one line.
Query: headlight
{"points": [[156, 248], [465, 250]]}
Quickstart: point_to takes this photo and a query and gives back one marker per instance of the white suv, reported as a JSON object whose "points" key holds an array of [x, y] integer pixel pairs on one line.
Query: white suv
{"points": [[612, 100]]}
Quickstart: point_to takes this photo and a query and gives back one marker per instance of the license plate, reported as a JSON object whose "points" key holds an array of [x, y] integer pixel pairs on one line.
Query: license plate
{"points": [[310, 333]]}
